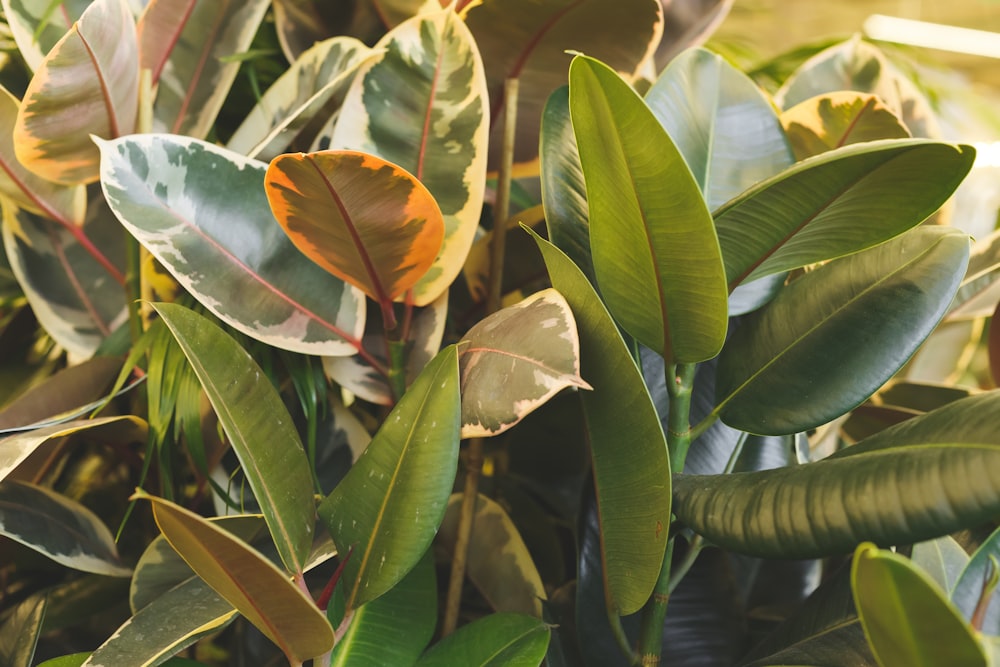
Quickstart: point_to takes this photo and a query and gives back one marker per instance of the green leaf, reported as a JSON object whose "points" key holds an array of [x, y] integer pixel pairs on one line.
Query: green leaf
{"points": [[968, 590], [198, 74], [408, 611], [166, 192], [909, 622], [943, 560], [841, 118], [628, 449], [361, 218], [36, 27], [649, 225], [531, 349], [258, 589], [838, 203], [817, 350], [88, 84], [19, 633], [498, 640], [259, 428], [432, 66], [980, 290], [59, 528], [390, 504]]}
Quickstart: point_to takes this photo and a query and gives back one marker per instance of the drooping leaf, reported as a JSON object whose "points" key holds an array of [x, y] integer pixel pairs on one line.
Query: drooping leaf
{"points": [[88, 84], [968, 591], [59, 528], [19, 633], [628, 448], [432, 67], [837, 203], [530, 351], [834, 336], [841, 118], [390, 504], [361, 218], [258, 589], [259, 428], [497, 640], [909, 622], [197, 74], [656, 255], [37, 26], [168, 193], [943, 560]]}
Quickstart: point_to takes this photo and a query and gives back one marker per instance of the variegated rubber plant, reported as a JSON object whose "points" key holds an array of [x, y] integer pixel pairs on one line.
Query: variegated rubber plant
{"points": [[266, 275]]}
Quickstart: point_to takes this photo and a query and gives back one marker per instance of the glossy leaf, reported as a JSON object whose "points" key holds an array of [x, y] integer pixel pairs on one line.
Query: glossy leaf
{"points": [[943, 560], [628, 448], [88, 84], [980, 291], [649, 225], [498, 640], [841, 118], [835, 204], [158, 29], [313, 86], [432, 66], [20, 631], [688, 23], [817, 350], [530, 349], [165, 190], [36, 27], [390, 504], [359, 217], [968, 591], [532, 49], [498, 562], [258, 427], [198, 74], [259, 590], [905, 615], [59, 528]]}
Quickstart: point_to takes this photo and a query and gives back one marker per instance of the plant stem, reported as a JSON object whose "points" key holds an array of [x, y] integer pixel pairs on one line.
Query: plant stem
{"points": [[397, 368], [494, 294]]}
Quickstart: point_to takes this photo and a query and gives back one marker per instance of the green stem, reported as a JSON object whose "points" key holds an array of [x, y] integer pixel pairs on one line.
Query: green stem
{"points": [[697, 544], [397, 368], [615, 623]]}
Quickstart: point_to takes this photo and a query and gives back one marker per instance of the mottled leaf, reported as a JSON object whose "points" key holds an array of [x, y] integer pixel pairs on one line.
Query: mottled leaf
{"points": [[158, 30], [497, 640], [837, 119], [38, 24], [88, 84], [19, 633]]}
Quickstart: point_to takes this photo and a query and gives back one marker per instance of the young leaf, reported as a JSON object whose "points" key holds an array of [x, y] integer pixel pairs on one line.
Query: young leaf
{"points": [[826, 122], [258, 426], [656, 255], [390, 504], [259, 590], [361, 218], [166, 192], [497, 640], [531, 349], [88, 84], [19, 633]]}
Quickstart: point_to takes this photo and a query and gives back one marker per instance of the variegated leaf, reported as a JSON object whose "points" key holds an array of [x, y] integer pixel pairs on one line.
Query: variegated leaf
{"points": [[224, 246], [197, 75], [58, 527], [837, 119], [73, 296], [432, 68], [311, 90], [38, 24], [515, 360], [357, 375], [88, 84], [359, 217], [67, 204], [159, 27]]}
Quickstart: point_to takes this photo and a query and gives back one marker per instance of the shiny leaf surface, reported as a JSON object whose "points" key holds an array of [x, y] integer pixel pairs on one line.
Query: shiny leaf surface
{"points": [[826, 122], [20, 631], [498, 640], [36, 28]]}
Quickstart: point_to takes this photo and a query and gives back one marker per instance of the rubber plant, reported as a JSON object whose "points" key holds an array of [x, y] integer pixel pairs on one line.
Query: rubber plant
{"points": [[289, 382]]}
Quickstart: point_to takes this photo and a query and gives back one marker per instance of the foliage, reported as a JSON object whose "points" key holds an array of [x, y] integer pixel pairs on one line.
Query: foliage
{"points": [[696, 369]]}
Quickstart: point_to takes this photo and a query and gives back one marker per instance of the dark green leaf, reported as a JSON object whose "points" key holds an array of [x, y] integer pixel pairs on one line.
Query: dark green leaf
{"points": [[498, 640]]}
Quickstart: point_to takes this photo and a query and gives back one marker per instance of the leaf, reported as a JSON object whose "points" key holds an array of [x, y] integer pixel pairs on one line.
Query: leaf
{"points": [[980, 290], [165, 191], [943, 560], [361, 218], [21, 630], [816, 351], [498, 562], [259, 590], [197, 75], [835, 204], [158, 30], [390, 504], [841, 118], [63, 392], [313, 86], [88, 84], [628, 449], [907, 619], [59, 528], [409, 608], [688, 23], [530, 349], [497, 640], [532, 49], [258, 426], [36, 28], [968, 590], [432, 66], [649, 226]]}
